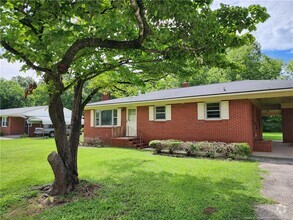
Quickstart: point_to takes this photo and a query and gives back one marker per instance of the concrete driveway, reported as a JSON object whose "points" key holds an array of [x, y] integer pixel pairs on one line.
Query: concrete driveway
{"points": [[278, 185]]}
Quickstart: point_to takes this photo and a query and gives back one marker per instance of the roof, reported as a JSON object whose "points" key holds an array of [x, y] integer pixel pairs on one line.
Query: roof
{"points": [[245, 86], [40, 113]]}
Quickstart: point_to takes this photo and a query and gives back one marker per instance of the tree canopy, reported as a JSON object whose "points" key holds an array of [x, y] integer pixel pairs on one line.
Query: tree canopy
{"points": [[71, 42]]}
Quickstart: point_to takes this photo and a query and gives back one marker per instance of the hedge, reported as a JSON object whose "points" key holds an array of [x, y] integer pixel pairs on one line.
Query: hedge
{"points": [[202, 149]]}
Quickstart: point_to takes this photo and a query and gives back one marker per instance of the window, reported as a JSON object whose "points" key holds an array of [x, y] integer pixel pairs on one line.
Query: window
{"points": [[106, 117], [160, 112], [213, 110], [4, 122]]}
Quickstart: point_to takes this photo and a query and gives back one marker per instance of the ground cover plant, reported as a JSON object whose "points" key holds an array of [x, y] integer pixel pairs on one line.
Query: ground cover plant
{"points": [[133, 185], [272, 135]]}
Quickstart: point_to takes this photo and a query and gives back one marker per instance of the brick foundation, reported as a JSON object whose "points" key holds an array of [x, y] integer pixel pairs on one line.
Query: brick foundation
{"points": [[262, 146]]}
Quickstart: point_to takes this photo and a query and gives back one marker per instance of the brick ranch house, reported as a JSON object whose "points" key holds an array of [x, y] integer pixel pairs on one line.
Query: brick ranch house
{"points": [[18, 121], [226, 112]]}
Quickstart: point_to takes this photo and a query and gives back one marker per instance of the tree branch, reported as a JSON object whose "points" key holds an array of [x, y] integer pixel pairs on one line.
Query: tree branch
{"points": [[25, 59], [64, 64], [78, 45], [139, 13], [89, 97]]}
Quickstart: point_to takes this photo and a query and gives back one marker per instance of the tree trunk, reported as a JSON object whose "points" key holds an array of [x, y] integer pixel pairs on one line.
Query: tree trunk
{"points": [[62, 163], [76, 125]]}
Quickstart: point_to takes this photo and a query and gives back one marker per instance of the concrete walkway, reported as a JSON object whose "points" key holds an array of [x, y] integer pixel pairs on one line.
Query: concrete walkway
{"points": [[9, 137], [278, 185], [279, 150]]}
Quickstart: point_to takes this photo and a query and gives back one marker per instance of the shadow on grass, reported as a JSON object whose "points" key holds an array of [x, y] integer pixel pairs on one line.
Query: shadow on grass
{"points": [[134, 193]]}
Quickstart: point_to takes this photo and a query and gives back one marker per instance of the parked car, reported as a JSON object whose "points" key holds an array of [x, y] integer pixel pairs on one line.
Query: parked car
{"points": [[47, 130]]}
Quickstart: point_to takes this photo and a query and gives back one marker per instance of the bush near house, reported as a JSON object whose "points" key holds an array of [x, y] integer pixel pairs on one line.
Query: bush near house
{"points": [[202, 149]]}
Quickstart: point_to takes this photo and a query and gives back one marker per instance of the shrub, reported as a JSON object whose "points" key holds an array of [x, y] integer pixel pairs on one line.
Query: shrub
{"points": [[239, 151], [93, 142], [157, 145], [187, 147], [203, 148], [173, 145], [2, 133]]}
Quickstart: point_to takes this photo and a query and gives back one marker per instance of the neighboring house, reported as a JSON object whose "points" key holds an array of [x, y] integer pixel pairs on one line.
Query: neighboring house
{"points": [[227, 112], [16, 121]]}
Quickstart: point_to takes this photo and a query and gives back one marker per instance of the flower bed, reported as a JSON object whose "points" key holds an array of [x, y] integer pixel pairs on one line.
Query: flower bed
{"points": [[202, 149]]}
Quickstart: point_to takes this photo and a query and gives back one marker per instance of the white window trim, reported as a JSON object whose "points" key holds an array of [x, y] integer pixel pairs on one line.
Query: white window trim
{"points": [[4, 119], [155, 113], [206, 112], [100, 119]]}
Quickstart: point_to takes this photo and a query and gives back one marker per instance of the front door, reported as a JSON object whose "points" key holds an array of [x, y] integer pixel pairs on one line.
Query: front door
{"points": [[131, 122]]}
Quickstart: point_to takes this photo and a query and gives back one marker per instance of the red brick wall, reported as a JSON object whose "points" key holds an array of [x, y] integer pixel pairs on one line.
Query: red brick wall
{"points": [[257, 127], [103, 133], [185, 125], [262, 146], [15, 126], [287, 125]]}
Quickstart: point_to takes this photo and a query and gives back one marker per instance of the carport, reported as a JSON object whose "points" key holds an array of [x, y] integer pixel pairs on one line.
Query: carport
{"points": [[274, 106]]}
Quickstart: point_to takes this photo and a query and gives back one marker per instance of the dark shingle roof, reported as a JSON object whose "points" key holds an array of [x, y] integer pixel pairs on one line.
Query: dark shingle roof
{"points": [[245, 86]]}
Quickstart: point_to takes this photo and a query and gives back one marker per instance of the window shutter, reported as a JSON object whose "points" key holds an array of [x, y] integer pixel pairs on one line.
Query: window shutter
{"points": [[168, 112], [200, 110], [119, 117], [92, 118], [225, 110], [151, 113]]}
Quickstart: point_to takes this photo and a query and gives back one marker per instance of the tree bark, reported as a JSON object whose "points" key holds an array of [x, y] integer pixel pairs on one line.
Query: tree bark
{"points": [[76, 126], [62, 163]]}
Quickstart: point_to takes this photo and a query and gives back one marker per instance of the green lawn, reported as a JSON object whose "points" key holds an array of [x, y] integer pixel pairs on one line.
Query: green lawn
{"points": [[272, 135], [135, 184]]}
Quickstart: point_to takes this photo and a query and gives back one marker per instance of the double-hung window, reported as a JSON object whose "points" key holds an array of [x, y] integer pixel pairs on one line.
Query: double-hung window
{"points": [[213, 110], [106, 117], [160, 112], [4, 122]]}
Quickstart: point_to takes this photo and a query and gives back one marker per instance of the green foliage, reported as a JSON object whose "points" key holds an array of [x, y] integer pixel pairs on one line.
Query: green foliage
{"points": [[288, 71], [239, 151], [134, 184], [185, 35], [92, 142], [272, 123], [2, 133], [12, 95], [202, 149]]}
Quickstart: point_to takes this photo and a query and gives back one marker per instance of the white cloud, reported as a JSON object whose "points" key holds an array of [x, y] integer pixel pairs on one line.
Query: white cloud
{"points": [[9, 70], [277, 32]]}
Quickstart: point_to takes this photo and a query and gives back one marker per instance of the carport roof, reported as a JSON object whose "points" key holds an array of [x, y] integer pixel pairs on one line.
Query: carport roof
{"points": [[245, 86], [34, 113]]}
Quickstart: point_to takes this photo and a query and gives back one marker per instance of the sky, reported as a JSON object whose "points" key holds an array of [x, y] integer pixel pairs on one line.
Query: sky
{"points": [[275, 35]]}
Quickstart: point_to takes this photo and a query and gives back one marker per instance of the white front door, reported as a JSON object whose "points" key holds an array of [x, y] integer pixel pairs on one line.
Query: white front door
{"points": [[131, 122]]}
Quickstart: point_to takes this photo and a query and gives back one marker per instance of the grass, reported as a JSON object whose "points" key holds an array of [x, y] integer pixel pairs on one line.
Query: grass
{"points": [[135, 184], [272, 135]]}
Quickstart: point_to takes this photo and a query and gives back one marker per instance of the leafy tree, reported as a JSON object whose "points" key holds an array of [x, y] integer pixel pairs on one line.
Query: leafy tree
{"points": [[287, 72], [11, 95], [130, 40], [24, 82]]}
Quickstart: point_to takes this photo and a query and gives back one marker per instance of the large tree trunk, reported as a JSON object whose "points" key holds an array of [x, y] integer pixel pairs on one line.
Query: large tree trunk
{"points": [[76, 125], [61, 163], [64, 163]]}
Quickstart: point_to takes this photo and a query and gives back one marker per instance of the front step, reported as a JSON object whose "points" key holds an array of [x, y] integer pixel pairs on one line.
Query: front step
{"points": [[133, 142]]}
